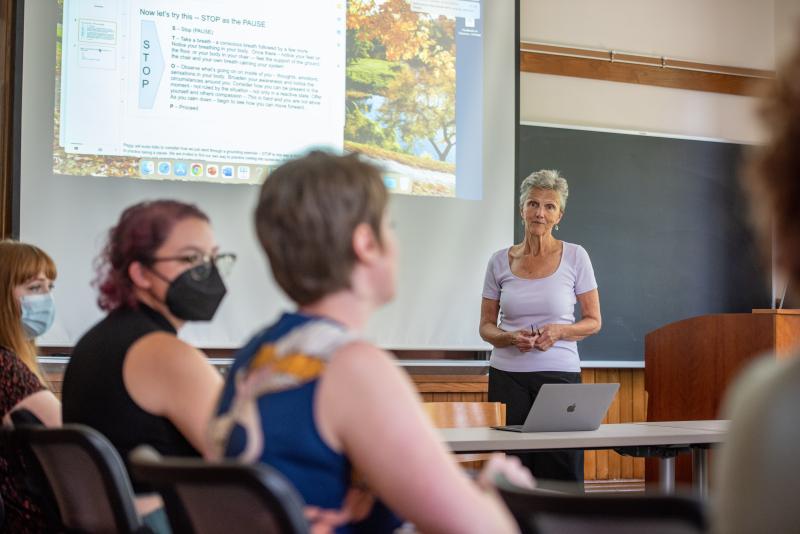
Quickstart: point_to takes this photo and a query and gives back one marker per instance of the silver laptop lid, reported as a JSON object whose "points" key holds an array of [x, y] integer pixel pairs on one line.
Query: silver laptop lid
{"points": [[565, 407]]}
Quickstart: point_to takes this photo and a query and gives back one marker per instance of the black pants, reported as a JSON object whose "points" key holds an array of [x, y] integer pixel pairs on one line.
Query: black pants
{"points": [[518, 391]]}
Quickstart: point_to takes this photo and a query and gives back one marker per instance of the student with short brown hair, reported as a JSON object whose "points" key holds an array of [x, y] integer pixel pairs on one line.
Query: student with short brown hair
{"points": [[305, 229], [313, 399]]}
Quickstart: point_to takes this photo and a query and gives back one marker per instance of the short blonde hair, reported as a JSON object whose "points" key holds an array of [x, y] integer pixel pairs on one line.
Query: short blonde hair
{"points": [[545, 179]]}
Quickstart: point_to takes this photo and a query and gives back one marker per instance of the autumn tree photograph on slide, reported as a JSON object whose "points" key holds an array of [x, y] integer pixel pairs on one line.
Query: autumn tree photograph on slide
{"points": [[401, 94]]}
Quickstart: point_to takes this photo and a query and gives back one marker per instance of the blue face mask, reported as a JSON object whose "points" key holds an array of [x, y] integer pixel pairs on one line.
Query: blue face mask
{"points": [[38, 312]]}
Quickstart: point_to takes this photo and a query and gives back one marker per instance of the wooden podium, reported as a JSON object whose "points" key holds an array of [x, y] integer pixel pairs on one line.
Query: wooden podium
{"points": [[689, 364]]}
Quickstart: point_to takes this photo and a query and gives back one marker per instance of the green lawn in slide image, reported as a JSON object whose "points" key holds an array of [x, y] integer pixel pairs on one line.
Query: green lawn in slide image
{"points": [[371, 75]]}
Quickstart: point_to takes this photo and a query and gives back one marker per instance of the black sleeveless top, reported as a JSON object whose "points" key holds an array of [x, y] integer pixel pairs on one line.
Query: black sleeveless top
{"points": [[94, 393]]}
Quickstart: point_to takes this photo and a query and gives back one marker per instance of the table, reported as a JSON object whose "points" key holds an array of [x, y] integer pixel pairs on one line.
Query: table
{"points": [[697, 435], [714, 425]]}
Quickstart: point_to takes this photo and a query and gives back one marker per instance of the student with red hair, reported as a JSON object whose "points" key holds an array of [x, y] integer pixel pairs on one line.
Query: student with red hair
{"points": [[130, 377]]}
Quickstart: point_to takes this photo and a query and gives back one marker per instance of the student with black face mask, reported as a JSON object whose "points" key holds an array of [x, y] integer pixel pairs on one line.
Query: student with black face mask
{"points": [[130, 377]]}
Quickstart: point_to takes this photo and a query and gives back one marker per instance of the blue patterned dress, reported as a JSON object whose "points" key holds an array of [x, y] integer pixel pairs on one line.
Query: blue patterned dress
{"points": [[266, 413]]}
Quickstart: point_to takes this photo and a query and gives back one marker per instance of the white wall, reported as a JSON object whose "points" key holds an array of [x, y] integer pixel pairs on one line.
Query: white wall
{"points": [[727, 32]]}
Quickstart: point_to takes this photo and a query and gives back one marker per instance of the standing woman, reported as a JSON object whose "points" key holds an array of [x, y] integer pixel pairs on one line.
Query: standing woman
{"points": [[26, 312], [532, 287], [130, 376]]}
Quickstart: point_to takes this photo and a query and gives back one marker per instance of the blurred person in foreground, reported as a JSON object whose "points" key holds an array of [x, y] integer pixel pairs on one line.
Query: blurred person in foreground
{"points": [[758, 472]]}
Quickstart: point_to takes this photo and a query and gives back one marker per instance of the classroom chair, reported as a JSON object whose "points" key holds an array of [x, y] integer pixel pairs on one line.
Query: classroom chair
{"points": [[87, 478], [221, 497], [25, 467], [540, 511]]}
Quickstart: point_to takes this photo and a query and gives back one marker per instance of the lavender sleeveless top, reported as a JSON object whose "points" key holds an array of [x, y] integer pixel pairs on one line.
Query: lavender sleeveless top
{"points": [[525, 302]]}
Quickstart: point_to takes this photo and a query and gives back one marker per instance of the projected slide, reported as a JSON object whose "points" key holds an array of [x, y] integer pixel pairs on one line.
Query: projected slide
{"points": [[225, 90]]}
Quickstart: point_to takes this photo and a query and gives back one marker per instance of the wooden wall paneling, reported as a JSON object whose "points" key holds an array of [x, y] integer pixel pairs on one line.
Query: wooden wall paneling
{"points": [[614, 463], [598, 465], [451, 383], [601, 376], [675, 74], [626, 414], [55, 382], [438, 354], [589, 457]]}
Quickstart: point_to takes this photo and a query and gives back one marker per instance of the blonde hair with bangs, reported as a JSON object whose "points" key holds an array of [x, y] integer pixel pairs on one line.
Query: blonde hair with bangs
{"points": [[20, 262]]}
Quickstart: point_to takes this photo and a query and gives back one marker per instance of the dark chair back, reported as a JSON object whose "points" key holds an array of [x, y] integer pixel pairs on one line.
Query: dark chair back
{"points": [[27, 479], [221, 497], [546, 512], [87, 478]]}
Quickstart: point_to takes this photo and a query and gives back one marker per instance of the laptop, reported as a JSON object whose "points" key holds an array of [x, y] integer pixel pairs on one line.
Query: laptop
{"points": [[566, 407]]}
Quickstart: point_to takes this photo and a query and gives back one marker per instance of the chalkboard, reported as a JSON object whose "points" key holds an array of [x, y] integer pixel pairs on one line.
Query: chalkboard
{"points": [[665, 224]]}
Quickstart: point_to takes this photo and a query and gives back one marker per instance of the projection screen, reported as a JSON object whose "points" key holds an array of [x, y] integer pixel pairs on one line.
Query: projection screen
{"points": [[129, 100]]}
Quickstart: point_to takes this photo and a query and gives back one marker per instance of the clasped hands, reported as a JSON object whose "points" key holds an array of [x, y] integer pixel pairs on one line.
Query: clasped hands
{"points": [[539, 339]]}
